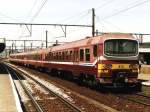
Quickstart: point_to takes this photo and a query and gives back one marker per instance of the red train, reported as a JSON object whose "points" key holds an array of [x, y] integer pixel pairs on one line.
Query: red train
{"points": [[108, 59]]}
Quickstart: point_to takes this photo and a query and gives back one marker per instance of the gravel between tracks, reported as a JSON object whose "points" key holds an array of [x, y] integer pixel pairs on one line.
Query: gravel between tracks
{"points": [[105, 98], [81, 103]]}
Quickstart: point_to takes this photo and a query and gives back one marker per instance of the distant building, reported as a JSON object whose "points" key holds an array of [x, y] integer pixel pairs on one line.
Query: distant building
{"points": [[145, 52], [145, 45]]}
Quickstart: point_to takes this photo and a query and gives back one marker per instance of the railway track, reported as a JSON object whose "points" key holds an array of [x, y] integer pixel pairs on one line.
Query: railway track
{"points": [[29, 93], [123, 104], [143, 94], [67, 105], [139, 98]]}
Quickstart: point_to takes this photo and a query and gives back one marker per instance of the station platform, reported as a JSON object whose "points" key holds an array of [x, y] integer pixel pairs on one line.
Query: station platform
{"points": [[9, 101], [145, 78], [144, 75]]}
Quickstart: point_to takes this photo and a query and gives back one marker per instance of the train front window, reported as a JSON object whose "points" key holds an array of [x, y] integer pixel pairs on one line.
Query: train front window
{"points": [[121, 47]]}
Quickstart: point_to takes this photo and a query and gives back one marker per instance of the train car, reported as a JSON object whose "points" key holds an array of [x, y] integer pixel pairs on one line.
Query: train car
{"points": [[110, 59]]}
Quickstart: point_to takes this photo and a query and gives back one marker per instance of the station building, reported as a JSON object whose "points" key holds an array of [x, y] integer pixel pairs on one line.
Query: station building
{"points": [[144, 52]]}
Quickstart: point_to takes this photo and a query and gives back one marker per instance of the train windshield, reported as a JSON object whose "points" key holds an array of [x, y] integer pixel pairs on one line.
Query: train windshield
{"points": [[121, 47]]}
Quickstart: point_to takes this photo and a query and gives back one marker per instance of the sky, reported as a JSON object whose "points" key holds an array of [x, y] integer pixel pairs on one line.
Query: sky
{"points": [[111, 16]]}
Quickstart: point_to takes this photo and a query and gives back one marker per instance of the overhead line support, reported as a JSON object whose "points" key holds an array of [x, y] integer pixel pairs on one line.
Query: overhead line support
{"points": [[46, 24], [93, 22]]}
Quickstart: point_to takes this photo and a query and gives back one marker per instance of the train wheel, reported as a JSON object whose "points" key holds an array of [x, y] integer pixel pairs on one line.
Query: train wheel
{"points": [[54, 72], [80, 80], [69, 75], [138, 87]]}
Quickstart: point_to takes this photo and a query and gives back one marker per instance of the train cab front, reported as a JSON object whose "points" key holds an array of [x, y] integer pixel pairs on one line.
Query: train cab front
{"points": [[119, 67]]}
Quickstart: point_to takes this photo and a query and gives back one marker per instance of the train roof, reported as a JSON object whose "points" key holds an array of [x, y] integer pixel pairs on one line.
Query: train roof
{"points": [[29, 52], [91, 41], [83, 42]]}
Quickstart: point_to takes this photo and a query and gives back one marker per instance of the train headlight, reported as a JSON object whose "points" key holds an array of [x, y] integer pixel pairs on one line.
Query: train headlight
{"points": [[126, 79], [134, 70], [101, 80], [133, 66], [107, 66]]}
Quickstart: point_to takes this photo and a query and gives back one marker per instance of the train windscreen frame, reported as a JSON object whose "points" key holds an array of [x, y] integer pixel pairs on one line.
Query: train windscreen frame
{"points": [[121, 47]]}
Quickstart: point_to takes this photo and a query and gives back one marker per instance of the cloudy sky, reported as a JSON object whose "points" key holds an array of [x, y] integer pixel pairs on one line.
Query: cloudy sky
{"points": [[111, 16]]}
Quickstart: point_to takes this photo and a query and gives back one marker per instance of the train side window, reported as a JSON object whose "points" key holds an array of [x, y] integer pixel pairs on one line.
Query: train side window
{"points": [[70, 56], [52, 55], [41, 58], [57, 56], [95, 50], [87, 54], [36, 57], [66, 55], [81, 54], [63, 56], [46, 57], [49, 56], [76, 56]]}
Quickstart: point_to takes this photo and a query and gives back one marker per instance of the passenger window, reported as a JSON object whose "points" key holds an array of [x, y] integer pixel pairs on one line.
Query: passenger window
{"points": [[87, 54], [63, 55], [66, 55], [59, 55], [81, 54], [95, 50], [70, 55], [50, 56], [76, 56]]}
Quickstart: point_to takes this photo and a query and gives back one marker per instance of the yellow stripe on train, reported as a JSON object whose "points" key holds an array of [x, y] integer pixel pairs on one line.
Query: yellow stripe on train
{"points": [[113, 66]]}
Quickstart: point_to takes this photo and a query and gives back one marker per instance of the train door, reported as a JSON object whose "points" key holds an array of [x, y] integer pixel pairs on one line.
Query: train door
{"points": [[76, 55], [84, 54], [81, 55], [87, 55], [94, 52]]}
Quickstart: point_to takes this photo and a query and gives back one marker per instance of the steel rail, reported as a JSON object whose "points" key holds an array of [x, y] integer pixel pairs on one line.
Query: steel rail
{"points": [[69, 104], [36, 105], [142, 94], [134, 100]]}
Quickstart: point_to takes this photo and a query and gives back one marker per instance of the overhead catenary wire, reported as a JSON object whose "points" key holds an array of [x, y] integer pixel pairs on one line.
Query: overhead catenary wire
{"points": [[104, 4], [109, 23], [85, 12], [79, 15], [30, 11], [35, 15], [28, 15], [6, 16], [38, 11], [126, 9]]}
